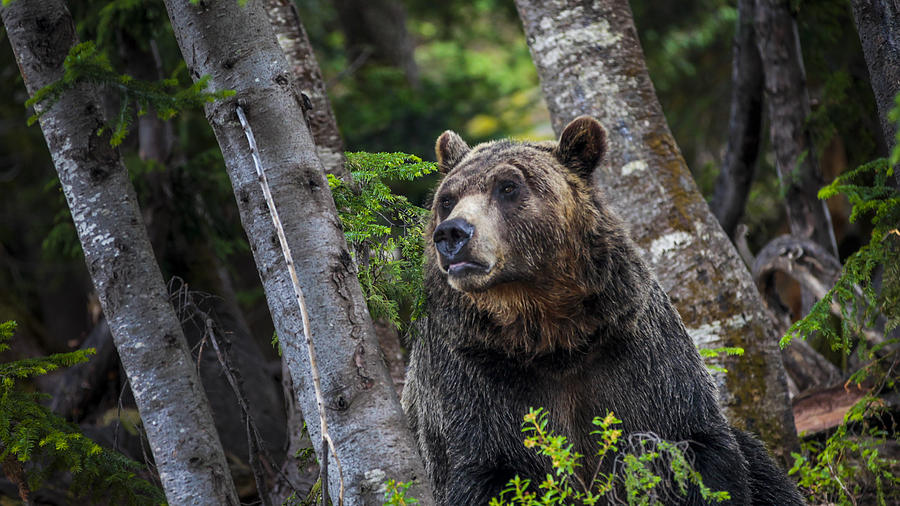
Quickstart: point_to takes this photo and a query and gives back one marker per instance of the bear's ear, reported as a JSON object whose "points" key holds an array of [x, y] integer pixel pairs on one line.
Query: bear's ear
{"points": [[450, 149], [582, 145]]}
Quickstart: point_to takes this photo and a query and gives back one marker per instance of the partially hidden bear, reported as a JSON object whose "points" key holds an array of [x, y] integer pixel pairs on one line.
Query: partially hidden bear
{"points": [[536, 296]]}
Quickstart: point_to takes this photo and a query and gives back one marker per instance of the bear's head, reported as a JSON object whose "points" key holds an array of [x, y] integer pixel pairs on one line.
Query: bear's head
{"points": [[517, 229]]}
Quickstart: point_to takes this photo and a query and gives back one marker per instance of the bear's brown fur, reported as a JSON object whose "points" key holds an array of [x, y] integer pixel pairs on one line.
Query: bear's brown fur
{"points": [[536, 296]]}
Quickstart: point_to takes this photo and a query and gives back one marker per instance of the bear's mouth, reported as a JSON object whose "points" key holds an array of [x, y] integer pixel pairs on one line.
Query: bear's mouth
{"points": [[466, 268]]}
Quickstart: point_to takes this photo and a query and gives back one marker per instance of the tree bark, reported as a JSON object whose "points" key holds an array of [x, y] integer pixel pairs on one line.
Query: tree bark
{"points": [[878, 24], [151, 345], [590, 62], [178, 224], [788, 107], [376, 30], [292, 38], [744, 125], [237, 48]]}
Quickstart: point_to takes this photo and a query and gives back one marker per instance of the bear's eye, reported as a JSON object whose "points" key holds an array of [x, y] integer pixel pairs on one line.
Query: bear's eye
{"points": [[507, 189], [445, 204]]}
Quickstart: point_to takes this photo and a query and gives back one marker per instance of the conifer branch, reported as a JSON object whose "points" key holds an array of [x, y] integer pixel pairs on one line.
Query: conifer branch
{"points": [[301, 300]]}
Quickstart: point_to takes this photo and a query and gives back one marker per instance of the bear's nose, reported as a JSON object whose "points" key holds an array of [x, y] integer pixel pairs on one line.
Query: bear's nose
{"points": [[450, 236]]}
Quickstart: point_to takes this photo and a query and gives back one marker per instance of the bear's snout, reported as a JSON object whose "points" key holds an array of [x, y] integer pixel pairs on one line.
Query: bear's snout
{"points": [[451, 236]]}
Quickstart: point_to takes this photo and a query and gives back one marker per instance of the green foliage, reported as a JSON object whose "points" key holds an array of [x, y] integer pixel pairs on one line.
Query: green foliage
{"points": [[395, 493], [869, 191], [677, 48], [848, 465], [384, 230], [646, 462], [475, 77], [86, 64], [717, 352], [47, 445]]}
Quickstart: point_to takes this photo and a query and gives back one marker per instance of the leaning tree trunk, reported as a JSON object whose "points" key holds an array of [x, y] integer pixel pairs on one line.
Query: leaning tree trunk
{"points": [[590, 62], [151, 345], [878, 24], [301, 58], [294, 42], [236, 47], [788, 107], [744, 125]]}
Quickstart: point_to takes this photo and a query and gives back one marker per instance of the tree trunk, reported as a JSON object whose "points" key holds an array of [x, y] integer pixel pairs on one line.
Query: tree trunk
{"points": [[236, 47], [744, 125], [302, 60], [79, 385], [878, 25], [376, 30], [788, 107], [590, 62], [147, 334], [178, 224]]}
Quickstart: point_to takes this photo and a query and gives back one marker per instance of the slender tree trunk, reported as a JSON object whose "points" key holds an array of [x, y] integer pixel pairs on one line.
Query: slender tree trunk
{"points": [[376, 30], [236, 47], [302, 60], [878, 24], [590, 62], [147, 334], [788, 107], [744, 125]]}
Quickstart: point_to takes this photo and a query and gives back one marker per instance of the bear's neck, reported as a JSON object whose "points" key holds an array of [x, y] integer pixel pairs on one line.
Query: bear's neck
{"points": [[568, 311], [538, 318]]}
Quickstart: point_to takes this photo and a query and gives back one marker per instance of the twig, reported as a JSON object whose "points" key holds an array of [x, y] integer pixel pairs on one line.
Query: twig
{"points": [[254, 441], [301, 300], [188, 305], [351, 69]]}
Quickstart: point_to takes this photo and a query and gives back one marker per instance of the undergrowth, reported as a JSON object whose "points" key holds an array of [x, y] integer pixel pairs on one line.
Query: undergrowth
{"points": [[850, 463], [645, 470], [36, 445]]}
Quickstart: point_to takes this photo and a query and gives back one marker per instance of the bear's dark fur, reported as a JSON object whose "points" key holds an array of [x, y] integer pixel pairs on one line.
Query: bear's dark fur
{"points": [[536, 296]]}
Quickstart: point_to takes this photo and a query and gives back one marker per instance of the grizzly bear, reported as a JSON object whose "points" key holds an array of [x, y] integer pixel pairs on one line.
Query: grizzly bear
{"points": [[536, 296]]}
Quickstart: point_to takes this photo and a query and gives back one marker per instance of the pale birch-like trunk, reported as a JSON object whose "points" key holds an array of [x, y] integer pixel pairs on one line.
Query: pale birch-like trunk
{"points": [[147, 334], [236, 46], [292, 37], [590, 62]]}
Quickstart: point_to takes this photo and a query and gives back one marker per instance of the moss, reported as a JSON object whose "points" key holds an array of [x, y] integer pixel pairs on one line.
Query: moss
{"points": [[748, 381], [749, 377], [675, 177]]}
